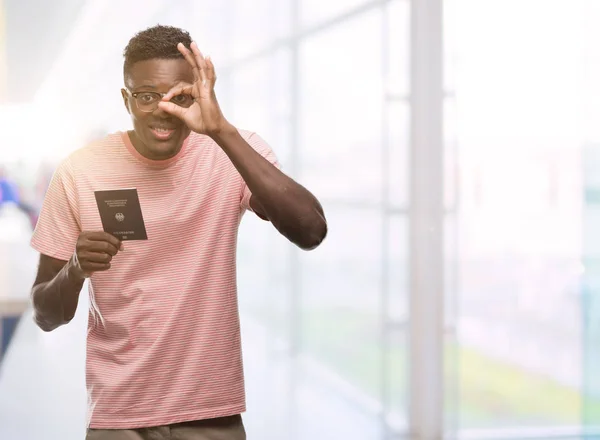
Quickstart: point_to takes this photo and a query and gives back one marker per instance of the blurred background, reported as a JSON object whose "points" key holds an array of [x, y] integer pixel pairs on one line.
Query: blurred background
{"points": [[455, 147]]}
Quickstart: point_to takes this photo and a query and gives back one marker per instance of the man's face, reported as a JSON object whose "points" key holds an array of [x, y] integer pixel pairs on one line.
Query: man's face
{"points": [[158, 135]]}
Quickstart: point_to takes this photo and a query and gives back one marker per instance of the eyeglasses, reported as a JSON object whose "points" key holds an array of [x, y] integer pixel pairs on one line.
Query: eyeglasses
{"points": [[148, 101]]}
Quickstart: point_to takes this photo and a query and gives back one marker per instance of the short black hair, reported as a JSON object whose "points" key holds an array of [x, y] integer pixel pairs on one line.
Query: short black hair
{"points": [[156, 42]]}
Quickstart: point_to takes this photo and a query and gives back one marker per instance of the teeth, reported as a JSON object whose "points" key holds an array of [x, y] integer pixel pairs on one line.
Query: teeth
{"points": [[162, 130]]}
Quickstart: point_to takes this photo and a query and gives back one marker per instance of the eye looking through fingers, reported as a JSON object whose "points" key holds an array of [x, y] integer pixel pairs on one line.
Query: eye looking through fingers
{"points": [[182, 94]]}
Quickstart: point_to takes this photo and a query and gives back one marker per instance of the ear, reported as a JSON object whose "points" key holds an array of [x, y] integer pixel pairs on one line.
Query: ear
{"points": [[125, 96]]}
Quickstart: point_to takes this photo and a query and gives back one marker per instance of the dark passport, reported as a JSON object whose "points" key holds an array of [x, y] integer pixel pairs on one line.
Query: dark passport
{"points": [[121, 213]]}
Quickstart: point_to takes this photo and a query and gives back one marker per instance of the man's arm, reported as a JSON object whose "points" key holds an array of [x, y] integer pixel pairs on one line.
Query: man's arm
{"points": [[292, 209], [55, 293]]}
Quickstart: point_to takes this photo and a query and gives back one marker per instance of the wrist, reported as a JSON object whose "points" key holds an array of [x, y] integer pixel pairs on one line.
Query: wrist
{"points": [[223, 132], [74, 272]]}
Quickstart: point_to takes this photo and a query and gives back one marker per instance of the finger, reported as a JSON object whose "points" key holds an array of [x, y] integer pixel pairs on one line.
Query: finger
{"points": [[189, 57], [210, 70], [102, 247], [89, 267], [103, 236], [180, 89], [94, 257], [200, 62], [198, 57], [173, 109]]}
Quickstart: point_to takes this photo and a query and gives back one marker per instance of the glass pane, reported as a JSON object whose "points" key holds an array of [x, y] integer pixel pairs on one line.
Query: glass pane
{"points": [[398, 120], [519, 227], [258, 99], [494, 66], [452, 10], [590, 286], [519, 319], [341, 109], [208, 24], [451, 348], [397, 381], [397, 17], [264, 268], [255, 25], [397, 269], [341, 305], [591, 113], [591, 66], [591, 216], [450, 155], [396, 314], [315, 11]]}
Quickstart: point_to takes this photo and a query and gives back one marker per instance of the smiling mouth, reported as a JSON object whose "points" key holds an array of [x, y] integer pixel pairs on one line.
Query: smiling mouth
{"points": [[162, 133]]}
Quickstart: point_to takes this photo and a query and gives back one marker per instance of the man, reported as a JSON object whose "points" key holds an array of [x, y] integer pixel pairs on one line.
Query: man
{"points": [[163, 350]]}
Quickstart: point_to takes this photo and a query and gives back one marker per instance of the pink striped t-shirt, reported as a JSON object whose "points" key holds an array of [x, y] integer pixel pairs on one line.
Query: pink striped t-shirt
{"points": [[163, 343]]}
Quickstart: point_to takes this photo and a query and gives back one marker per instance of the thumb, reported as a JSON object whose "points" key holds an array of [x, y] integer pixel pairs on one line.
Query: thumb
{"points": [[172, 109]]}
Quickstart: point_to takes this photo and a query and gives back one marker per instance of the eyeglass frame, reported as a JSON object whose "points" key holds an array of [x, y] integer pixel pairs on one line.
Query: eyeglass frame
{"points": [[162, 95]]}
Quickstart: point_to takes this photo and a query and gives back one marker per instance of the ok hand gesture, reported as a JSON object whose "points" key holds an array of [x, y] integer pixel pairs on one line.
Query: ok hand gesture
{"points": [[204, 116]]}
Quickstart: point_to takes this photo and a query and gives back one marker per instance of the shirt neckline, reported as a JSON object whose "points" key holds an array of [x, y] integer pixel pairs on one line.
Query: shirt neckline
{"points": [[153, 162]]}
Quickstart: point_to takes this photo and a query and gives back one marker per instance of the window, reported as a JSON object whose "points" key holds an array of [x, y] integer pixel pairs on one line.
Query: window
{"points": [[341, 110], [353, 288], [258, 100], [519, 255], [255, 25]]}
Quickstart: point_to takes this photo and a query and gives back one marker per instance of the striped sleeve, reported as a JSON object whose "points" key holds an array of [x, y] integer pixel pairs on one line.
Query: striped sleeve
{"points": [[58, 228], [260, 145]]}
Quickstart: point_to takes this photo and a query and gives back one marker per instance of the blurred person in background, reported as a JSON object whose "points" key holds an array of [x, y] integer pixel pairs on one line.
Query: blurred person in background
{"points": [[163, 347], [10, 194], [8, 188]]}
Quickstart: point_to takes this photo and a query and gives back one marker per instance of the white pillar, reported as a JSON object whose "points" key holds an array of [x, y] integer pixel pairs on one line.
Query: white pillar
{"points": [[426, 401]]}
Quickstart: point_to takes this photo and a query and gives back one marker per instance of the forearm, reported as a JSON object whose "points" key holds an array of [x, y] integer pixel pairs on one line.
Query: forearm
{"points": [[55, 301], [290, 207]]}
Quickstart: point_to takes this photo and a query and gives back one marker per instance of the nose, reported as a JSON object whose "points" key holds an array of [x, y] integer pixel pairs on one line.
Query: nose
{"points": [[161, 114]]}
